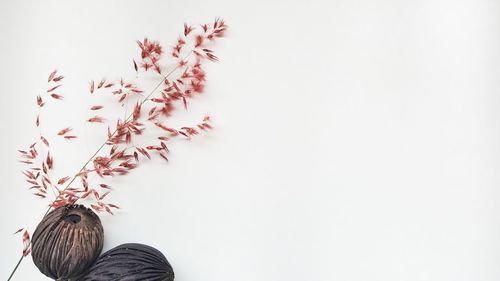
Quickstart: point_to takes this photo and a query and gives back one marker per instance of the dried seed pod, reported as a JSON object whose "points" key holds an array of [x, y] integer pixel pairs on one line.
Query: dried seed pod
{"points": [[130, 262], [67, 241]]}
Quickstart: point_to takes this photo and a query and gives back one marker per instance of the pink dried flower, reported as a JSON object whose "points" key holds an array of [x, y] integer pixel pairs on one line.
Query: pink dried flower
{"points": [[119, 153]]}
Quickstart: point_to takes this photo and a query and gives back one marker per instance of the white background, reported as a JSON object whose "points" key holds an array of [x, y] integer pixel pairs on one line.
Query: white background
{"points": [[355, 140]]}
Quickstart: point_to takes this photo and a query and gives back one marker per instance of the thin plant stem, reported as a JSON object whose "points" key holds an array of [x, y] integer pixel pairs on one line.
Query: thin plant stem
{"points": [[15, 268]]}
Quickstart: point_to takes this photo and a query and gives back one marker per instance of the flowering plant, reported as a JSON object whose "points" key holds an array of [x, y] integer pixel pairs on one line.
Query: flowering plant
{"points": [[120, 152]]}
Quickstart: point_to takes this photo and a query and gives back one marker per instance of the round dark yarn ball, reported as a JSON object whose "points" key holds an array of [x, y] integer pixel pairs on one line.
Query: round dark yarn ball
{"points": [[130, 262], [67, 241]]}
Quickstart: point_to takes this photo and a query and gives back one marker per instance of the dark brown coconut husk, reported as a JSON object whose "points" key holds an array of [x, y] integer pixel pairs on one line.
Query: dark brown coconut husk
{"points": [[129, 262], [67, 241]]}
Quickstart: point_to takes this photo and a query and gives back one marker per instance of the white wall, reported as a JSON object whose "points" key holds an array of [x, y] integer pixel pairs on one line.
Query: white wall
{"points": [[355, 140]]}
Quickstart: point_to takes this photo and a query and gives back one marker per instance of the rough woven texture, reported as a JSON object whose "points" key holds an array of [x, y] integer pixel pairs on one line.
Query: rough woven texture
{"points": [[129, 262], [67, 241]]}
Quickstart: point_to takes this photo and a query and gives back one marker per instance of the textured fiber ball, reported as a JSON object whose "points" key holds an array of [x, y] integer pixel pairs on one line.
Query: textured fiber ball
{"points": [[129, 262], [67, 241]]}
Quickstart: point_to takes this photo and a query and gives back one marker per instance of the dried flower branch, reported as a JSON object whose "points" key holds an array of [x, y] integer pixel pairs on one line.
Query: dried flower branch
{"points": [[181, 83]]}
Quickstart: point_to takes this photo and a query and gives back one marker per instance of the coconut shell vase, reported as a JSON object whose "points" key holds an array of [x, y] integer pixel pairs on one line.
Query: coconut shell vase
{"points": [[67, 241], [130, 262]]}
